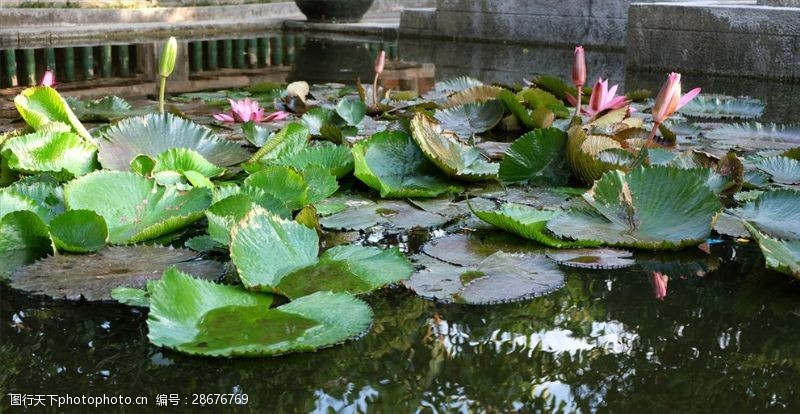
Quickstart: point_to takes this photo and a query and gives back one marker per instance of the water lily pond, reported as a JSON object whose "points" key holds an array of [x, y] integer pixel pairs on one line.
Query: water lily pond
{"points": [[394, 238]]}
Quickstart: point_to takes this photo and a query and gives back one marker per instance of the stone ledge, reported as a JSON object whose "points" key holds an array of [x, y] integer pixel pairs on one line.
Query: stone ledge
{"points": [[734, 40]]}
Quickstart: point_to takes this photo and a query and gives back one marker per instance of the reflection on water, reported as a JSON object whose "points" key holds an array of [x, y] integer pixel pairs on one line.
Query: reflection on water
{"points": [[601, 342]]}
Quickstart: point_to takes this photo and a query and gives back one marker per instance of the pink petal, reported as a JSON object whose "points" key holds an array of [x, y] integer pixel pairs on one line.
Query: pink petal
{"points": [[571, 99], [277, 116], [688, 97], [223, 118], [49, 79]]}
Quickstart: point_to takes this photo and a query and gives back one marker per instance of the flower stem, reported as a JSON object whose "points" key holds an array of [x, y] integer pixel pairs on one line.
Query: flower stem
{"points": [[161, 92], [580, 98], [375, 91], [652, 135]]}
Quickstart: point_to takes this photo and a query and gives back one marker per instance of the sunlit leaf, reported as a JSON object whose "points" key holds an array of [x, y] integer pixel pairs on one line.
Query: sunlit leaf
{"points": [[51, 152], [79, 231]]}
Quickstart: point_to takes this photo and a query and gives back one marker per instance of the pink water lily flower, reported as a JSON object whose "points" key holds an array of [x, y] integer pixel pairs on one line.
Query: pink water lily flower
{"points": [[246, 110], [669, 99], [603, 99], [49, 79]]}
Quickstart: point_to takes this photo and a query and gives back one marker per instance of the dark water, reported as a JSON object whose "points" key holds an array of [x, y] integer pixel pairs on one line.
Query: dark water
{"points": [[723, 342]]}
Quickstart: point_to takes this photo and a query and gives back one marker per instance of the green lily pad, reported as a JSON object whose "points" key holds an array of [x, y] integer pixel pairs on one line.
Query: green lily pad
{"points": [[135, 208], [475, 94], [450, 155], [182, 160], [782, 170], [224, 214], [315, 118], [583, 154], [79, 231], [527, 222], [280, 256], [104, 109], [720, 107], [154, 134], [265, 248], [776, 213], [94, 276], [51, 152], [337, 159], [753, 136], [538, 157], [11, 201], [288, 141], [42, 190], [351, 268], [362, 214], [131, 297], [293, 189], [456, 84], [538, 99], [24, 237], [780, 255], [650, 208], [515, 107], [467, 120], [42, 105], [499, 278], [393, 164], [202, 318], [256, 134], [351, 110], [593, 258]]}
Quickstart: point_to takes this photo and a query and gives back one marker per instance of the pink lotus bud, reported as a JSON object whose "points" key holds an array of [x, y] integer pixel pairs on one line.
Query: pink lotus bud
{"points": [[49, 79], [578, 67], [669, 98], [380, 62]]}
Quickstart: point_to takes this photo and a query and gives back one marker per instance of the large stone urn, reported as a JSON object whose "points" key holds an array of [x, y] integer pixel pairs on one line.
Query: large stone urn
{"points": [[334, 10]]}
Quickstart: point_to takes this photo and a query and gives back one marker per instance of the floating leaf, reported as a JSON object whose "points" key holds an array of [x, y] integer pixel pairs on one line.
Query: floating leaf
{"points": [[351, 110], [24, 237], [538, 157], [456, 84], [527, 222], [202, 318], [537, 98], [293, 189], [781, 256], [256, 134], [182, 160], [94, 276], [131, 297], [451, 156], [315, 118], [152, 135], [593, 258], [280, 256], [135, 208], [337, 159], [393, 164], [11, 201], [51, 152], [776, 213], [783, 170], [470, 119], [224, 214], [515, 107], [399, 215], [755, 136], [79, 231], [715, 106], [289, 140], [500, 277], [475, 94], [265, 248], [42, 105], [583, 154], [352, 269], [104, 109], [650, 208]]}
